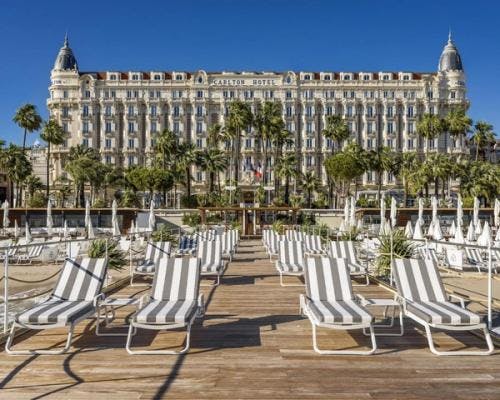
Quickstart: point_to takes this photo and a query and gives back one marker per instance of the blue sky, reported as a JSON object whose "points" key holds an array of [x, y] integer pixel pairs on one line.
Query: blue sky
{"points": [[397, 35]]}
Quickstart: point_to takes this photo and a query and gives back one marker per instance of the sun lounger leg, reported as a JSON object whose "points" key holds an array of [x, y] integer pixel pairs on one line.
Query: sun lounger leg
{"points": [[345, 352], [159, 352]]}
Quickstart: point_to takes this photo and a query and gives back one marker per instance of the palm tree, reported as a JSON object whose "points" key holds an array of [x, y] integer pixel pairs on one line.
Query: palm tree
{"points": [[286, 168], [81, 165], [214, 135], [166, 146], [187, 155], [53, 134], [213, 161], [381, 160], [279, 139], [409, 163], [27, 118], [336, 129], [17, 167], [458, 123], [482, 136], [240, 117], [430, 126], [310, 183], [32, 184]]}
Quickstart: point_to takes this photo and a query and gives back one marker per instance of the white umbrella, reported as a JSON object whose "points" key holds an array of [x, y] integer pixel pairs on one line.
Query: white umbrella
{"points": [[460, 211], [394, 211], [16, 229], [477, 228], [346, 212], [430, 230], [484, 238], [27, 233], [470, 232], [459, 236], [359, 225], [342, 226], [114, 219], [90, 230], [151, 217], [496, 213], [409, 230], [475, 217], [420, 211], [434, 204], [417, 233], [65, 229], [497, 237], [50, 222], [437, 233], [382, 214], [352, 213], [87, 213], [452, 229], [386, 230], [5, 207]]}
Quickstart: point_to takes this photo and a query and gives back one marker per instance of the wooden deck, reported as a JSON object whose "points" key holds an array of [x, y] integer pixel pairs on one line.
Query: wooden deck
{"points": [[251, 344]]}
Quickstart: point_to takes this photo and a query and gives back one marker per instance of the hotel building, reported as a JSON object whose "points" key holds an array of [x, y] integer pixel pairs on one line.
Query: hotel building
{"points": [[120, 113]]}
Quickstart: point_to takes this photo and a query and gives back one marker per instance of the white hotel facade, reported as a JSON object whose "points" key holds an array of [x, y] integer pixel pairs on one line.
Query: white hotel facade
{"points": [[121, 112]]}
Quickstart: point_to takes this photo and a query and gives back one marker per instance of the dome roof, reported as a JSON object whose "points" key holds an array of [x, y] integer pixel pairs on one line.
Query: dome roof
{"points": [[65, 59], [450, 59]]}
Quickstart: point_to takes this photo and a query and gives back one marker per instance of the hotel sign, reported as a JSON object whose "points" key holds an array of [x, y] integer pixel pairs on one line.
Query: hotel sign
{"points": [[244, 82]]}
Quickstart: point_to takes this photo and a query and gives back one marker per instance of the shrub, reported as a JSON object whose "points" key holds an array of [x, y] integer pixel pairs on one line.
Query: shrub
{"points": [[164, 234], [191, 219], [279, 227], [402, 248], [189, 202], [38, 200], [116, 258]]}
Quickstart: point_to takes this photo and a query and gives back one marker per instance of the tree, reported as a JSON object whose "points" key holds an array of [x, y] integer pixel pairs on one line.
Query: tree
{"points": [[239, 118], [279, 139], [336, 129], [53, 134], [482, 136], [381, 160], [310, 183], [187, 155], [27, 118], [17, 167], [32, 184], [286, 168], [481, 179], [213, 161], [214, 135], [430, 126], [81, 165], [409, 163], [166, 146], [458, 123]]}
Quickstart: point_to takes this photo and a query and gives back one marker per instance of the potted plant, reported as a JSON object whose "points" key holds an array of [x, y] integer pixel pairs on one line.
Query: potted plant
{"points": [[116, 258]]}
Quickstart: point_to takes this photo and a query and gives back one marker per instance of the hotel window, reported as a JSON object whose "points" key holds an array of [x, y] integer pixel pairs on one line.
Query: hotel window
{"points": [[289, 126], [65, 94], [178, 77], [135, 77], [65, 111], [327, 78], [157, 77], [431, 110], [248, 94], [309, 161], [199, 143], [410, 144], [452, 95], [430, 95], [307, 77], [288, 94], [176, 111], [199, 176], [176, 128], [309, 111], [309, 143], [369, 127], [248, 143], [129, 94], [153, 110], [199, 127], [154, 129], [85, 143], [130, 111], [131, 127], [309, 127], [131, 143], [369, 143], [136, 94], [224, 93], [410, 111], [366, 77], [158, 94], [349, 111], [350, 125], [369, 111], [369, 176], [390, 177], [112, 77], [390, 143], [199, 94], [151, 94], [411, 127], [85, 127], [385, 77], [106, 94], [107, 127], [107, 159], [231, 94], [406, 78], [153, 143], [288, 111], [347, 77], [199, 111], [432, 143], [329, 143], [113, 94], [107, 144], [65, 127], [329, 110], [177, 94], [87, 94], [107, 111], [390, 127], [390, 111], [131, 160]]}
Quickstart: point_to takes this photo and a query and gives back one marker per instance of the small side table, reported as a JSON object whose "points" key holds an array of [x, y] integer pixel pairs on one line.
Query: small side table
{"points": [[113, 303], [386, 303]]}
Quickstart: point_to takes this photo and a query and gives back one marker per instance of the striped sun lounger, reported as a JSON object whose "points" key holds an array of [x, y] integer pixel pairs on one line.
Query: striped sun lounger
{"points": [[290, 260], [32, 252], [330, 303], [74, 299], [273, 248], [187, 245], [421, 290], [475, 259], [228, 245], [312, 245], [154, 251], [426, 253], [173, 303], [345, 249], [210, 256]]}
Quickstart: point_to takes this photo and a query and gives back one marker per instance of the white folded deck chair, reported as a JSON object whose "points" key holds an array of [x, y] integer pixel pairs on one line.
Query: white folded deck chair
{"points": [[312, 245], [207, 235], [32, 252], [330, 303], [154, 251], [187, 245], [475, 258], [74, 299], [426, 253], [228, 245], [11, 251], [421, 290], [235, 234], [290, 260], [210, 256], [345, 249], [266, 237], [174, 301], [273, 248]]}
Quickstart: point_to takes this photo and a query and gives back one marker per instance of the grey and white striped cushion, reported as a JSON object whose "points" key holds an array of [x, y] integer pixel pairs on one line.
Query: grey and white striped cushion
{"points": [[188, 244], [328, 279], [474, 255], [55, 311], [80, 279], [275, 243], [157, 250], [178, 312], [290, 256], [228, 243], [176, 279], [426, 253], [345, 249], [206, 235], [210, 255], [147, 267], [36, 249], [418, 280], [312, 244], [339, 312], [443, 313]]}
